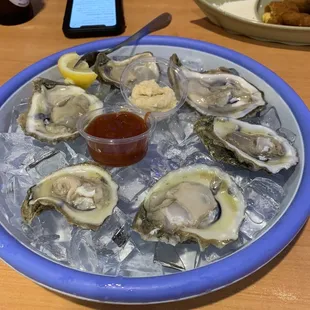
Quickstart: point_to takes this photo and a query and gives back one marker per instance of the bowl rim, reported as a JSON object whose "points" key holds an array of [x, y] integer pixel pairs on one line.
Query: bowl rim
{"points": [[181, 285], [109, 110], [157, 114]]}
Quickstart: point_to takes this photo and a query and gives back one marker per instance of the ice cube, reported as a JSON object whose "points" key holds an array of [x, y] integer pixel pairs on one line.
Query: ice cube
{"points": [[48, 239], [75, 148], [163, 163], [167, 256], [16, 193], [45, 163], [168, 150], [120, 237], [17, 110], [271, 119], [113, 170], [193, 63], [12, 142], [226, 248], [263, 198], [139, 264], [114, 98], [253, 120], [263, 207], [37, 158], [54, 223], [82, 254], [175, 163], [208, 256], [17, 151], [50, 234], [19, 157], [198, 158], [179, 257], [193, 141], [176, 129], [132, 182], [109, 263], [240, 242], [213, 253], [187, 151], [240, 177], [286, 133], [114, 233], [101, 90], [159, 167], [130, 208], [7, 183], [187, 121], [234, 246], [53, 250], [13, 197], [141, 245], [162, 133], [6, 212], [126, 250], [250, 228]]}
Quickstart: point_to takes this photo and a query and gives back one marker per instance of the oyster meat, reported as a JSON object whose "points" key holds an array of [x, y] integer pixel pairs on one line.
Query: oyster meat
{"points": [[54, 109], [85, 194], [219, 92], [110, 71], [242, 144], [179, 207]]}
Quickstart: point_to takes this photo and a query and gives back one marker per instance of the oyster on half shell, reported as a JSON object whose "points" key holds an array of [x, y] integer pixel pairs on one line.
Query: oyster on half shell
{"points": [[179, 206], [242, 144], [54, 109], [85, 194], [110, 71], [219, 92]]}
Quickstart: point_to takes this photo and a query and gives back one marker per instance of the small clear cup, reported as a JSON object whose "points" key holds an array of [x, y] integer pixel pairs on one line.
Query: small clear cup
{"points": [[117, 152], [143, 69]]}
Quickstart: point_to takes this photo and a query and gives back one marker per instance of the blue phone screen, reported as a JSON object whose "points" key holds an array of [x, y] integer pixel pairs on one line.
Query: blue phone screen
{"points": [[92, 13]]}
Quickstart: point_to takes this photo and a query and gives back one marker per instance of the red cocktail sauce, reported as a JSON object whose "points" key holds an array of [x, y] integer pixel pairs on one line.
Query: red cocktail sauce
{"points": [[118, 126]]}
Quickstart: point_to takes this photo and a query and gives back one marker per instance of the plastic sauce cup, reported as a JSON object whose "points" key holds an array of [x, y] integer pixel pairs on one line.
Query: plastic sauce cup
{"points": [[117, 152], [143, 69]]}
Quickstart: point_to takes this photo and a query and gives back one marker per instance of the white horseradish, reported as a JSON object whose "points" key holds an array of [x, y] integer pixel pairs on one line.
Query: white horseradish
{"points": [[240, 8]]}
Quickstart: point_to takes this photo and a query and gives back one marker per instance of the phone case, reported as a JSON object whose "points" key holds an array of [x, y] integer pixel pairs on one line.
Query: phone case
{"points": [[94, 31]]}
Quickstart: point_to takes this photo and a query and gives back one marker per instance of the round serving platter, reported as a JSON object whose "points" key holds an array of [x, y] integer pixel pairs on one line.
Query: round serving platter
{"points": [[293, 114]]}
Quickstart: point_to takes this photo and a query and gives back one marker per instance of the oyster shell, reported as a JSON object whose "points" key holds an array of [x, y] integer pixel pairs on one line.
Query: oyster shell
{"points": [[219, 92], [178, 208], [85, 194], [242, 144], [54, 109], [110, 71]]}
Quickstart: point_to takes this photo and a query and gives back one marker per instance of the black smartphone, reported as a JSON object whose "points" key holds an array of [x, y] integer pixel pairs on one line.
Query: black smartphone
{"points": [[93, 18]]}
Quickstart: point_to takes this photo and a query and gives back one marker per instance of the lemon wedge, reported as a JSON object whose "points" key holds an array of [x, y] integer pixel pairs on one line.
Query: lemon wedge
{"points": [[81, 76]]}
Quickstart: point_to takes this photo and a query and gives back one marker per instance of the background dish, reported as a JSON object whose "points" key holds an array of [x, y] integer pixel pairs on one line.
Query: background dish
{"points": [[169, 288], [253, 28]]}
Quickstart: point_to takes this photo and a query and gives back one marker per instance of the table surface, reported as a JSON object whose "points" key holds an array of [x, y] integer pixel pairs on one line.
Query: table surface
{"points": [[284, 282]]}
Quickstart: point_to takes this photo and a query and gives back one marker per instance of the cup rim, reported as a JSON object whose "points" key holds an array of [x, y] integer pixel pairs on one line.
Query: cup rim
{"points": [[81, 125], [157, 114]]}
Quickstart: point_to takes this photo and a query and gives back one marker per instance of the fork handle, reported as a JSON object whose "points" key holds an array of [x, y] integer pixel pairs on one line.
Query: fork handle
{"points": [[160, 22]]}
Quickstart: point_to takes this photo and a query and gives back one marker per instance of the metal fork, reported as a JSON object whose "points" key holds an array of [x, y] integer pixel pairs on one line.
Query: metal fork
{"points": [[158, 23]]}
